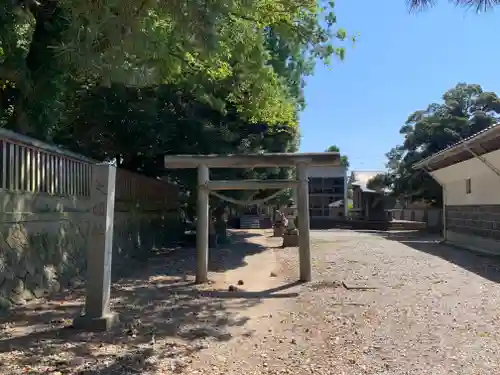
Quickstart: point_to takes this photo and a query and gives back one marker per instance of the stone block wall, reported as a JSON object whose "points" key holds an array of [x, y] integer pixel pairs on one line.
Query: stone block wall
{"points": [[44, 241], [50, 199], [137, 233], [42, 244], [432, 217], [474, 220]]}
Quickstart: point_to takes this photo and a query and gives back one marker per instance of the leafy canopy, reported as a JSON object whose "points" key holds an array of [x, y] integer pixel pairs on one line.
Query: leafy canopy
{"points": [[344, 160], [252, 56]]}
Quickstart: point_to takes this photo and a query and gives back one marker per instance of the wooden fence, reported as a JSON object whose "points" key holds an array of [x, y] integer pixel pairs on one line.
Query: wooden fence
{"points": [[28, 165]]}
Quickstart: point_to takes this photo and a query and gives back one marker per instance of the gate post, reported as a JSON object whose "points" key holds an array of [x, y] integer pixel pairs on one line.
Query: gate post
{"points": [[202, 225], [304, 225], [98, 315]]}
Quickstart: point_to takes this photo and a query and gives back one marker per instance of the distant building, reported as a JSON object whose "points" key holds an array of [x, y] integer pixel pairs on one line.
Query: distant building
{"points": [[368, 204], [469, 173], [326, 186]]}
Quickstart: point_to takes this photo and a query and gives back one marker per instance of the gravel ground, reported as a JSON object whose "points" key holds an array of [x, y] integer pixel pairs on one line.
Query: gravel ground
{"points": [[434, 309], [378, 304]]}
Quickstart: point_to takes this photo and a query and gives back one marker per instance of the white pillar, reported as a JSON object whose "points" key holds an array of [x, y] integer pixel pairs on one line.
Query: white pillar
{"points": [[98, 316], [304, 226], [202, 225]]}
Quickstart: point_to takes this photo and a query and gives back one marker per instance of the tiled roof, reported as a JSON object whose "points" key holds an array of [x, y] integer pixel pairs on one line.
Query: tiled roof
{"points": [[459, 143]]}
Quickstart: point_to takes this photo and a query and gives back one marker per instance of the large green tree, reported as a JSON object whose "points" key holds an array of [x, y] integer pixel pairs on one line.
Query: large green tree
{"points": [[132, 81], [250, 56], [466, 109], [138, 126]]}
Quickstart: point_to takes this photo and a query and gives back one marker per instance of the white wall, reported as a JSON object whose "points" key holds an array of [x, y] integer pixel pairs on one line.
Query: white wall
{"points": [[485, 184], [325, 172]]}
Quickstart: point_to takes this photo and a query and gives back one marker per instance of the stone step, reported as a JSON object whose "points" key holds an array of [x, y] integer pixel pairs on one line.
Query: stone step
{"points": [[250, 222]]}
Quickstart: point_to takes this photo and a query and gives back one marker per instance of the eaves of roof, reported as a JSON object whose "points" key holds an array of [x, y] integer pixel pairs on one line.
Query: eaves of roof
{"points": [[480, 143]]}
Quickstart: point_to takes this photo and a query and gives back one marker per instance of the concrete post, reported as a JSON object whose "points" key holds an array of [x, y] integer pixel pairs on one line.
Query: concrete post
{"points": [[98, 316], [202, 225], [304, 226]]}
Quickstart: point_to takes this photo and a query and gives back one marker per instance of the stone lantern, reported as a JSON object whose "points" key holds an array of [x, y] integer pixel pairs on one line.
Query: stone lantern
{"points": [[291, 215], [279, 223], [291, 235]]}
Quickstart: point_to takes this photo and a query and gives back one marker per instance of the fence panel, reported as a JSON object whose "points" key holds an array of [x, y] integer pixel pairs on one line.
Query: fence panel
{"points": [[133, 187], [27, 165]]}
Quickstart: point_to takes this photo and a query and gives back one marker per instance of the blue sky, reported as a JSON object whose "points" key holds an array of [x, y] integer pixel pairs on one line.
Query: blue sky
{"points": [[401, 62]]}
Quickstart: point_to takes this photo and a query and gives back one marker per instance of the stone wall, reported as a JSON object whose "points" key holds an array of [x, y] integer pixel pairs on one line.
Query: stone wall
{"points": [[474, 220], [49, 199], [43, 244], [44, 240], [432, 217], [138, 230], [475, 227]]}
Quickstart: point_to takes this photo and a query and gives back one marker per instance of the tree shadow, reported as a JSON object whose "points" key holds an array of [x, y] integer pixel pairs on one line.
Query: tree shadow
{"points": [[486, 266], [164, 316], [182, 261]]}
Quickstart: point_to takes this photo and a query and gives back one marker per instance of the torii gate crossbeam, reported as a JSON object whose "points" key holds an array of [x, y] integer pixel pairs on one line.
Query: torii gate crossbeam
{"points": [[301, 161]]}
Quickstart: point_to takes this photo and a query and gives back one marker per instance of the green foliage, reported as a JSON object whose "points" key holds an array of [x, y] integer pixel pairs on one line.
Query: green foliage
{"points": [[344, 160], [138, 126], [466, 109], [131, 80], [250, 57]]}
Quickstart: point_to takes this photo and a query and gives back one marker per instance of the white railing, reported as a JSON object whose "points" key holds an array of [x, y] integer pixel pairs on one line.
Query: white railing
{"points": [[28, 165]]}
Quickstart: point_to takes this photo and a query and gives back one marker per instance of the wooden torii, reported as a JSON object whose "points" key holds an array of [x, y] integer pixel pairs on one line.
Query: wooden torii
{"points": [[301, 161]]}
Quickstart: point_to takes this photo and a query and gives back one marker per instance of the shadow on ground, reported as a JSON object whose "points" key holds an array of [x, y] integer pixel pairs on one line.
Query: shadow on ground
{"points": [[163, 317], [485, 266], [224, 258]]}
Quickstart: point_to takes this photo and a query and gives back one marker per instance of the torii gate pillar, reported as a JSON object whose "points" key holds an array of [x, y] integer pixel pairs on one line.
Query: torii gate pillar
{"points": [[299, 160], [305, 271], [202, 225]]}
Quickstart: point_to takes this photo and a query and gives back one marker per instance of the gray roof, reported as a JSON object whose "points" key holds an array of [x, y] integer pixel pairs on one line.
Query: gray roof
{"points": [[364, 189], [455, 145]]}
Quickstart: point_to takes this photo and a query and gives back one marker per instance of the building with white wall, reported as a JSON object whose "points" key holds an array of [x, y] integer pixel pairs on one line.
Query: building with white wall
{"points": [[327, 185], [469, 173]]}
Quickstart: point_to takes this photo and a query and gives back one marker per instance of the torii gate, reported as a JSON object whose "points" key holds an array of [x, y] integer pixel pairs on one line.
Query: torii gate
{"points": [[301, 161]]}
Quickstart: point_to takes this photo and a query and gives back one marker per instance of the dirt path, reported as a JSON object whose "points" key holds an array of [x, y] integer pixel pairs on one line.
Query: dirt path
{"points": [[168, 324], [377, 305]]}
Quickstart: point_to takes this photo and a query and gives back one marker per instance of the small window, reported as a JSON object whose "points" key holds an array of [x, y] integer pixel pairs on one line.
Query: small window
{"points": [[468, 186]]}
